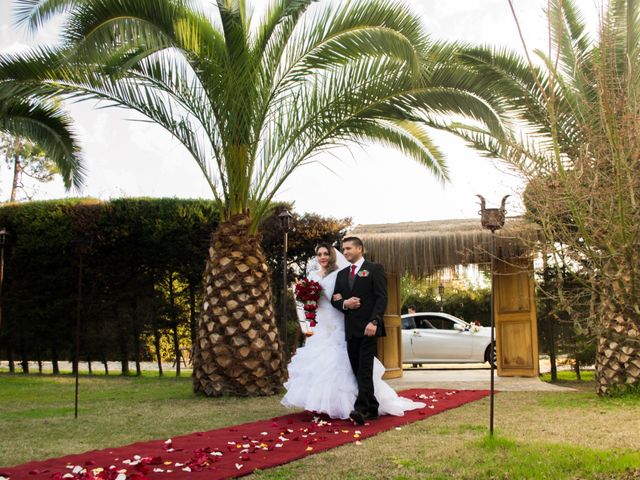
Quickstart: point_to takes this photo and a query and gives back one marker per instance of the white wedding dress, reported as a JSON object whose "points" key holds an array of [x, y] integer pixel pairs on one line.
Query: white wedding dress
{"points": [[320, 375]]}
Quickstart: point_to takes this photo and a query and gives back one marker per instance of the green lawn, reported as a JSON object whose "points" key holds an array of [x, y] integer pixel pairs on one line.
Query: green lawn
{"points": [[541, 435], [570, 376]]}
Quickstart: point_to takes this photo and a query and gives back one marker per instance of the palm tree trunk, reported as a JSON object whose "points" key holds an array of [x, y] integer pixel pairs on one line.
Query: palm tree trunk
{"points": [[618, 352], [238, 350]]}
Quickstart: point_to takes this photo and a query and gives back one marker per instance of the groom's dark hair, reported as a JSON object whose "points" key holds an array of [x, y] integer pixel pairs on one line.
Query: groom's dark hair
{"points": [[355, 240]]}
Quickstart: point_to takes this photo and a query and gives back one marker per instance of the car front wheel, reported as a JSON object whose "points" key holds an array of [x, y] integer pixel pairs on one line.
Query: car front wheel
{"points": [[491, 359]]}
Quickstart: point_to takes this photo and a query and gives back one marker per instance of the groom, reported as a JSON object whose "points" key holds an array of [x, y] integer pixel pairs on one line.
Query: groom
{"points": [[361, 294]]}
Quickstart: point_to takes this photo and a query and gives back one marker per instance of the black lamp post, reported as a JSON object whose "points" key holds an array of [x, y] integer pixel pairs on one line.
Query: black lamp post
{"points": [[285, 220], [492, 219], [441, 292], [4, 234]]}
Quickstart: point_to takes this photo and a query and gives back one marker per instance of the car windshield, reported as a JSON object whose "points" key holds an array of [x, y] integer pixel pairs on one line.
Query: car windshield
{"points": [[408, 323]]}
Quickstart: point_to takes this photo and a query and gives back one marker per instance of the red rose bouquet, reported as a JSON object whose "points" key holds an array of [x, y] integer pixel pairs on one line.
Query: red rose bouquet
{"points": [[308, 292]]}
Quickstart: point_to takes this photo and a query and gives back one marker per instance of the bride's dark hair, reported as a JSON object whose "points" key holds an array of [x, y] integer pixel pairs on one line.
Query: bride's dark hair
{"points": [[333, 261]]}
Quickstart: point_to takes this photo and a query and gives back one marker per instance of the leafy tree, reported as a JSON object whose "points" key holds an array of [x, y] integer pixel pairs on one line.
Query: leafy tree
{"points": [[25, 158]]}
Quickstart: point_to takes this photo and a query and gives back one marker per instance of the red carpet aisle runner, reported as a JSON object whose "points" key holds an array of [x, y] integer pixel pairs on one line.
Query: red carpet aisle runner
{"points": [[233, 451]]}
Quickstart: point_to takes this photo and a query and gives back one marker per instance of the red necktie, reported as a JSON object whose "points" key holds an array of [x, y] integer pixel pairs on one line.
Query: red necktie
{"points": [[353, 271]]}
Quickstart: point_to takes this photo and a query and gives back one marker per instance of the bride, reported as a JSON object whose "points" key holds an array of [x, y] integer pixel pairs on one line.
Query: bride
{"points": [[320, 375]]}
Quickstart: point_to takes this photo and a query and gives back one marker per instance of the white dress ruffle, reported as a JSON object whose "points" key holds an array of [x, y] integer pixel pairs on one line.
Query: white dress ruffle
{"points": [[320, 375]]}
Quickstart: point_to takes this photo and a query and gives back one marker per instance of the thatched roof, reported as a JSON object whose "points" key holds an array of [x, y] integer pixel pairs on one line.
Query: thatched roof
{"points": [[420, 248]]}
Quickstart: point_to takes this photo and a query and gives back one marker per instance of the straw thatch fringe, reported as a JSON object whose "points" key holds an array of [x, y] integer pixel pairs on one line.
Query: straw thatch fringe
{"points": [[421, 248]]}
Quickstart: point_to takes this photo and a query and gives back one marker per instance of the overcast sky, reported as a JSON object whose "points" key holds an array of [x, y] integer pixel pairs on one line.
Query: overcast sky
{"points": [[371, 184]]}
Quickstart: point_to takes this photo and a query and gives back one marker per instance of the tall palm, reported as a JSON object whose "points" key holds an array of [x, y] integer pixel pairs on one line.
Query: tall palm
{"points": [[578, 108], [253, 99], [26, 114]]}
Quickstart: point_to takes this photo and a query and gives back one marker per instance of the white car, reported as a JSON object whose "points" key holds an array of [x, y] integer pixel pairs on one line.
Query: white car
{"points": [[435, 337]]}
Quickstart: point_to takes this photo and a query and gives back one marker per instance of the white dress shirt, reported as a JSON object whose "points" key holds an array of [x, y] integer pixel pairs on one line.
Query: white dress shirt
{"points": [[358, 265]]}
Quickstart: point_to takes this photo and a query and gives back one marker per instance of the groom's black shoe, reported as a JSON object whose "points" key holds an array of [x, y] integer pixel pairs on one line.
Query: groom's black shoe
{"points": [[357, 417], [371, 416]]}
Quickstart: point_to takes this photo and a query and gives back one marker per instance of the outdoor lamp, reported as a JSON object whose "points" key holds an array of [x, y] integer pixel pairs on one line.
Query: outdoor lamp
{"points": [[492, 219], [285, 219]]}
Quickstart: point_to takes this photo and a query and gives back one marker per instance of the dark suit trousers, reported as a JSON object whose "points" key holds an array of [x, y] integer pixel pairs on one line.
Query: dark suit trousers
{"points": [[361, 353]]}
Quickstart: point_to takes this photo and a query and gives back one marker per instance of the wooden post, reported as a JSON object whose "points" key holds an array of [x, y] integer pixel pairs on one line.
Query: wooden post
{"points": [[390, 347], [516, 321]]}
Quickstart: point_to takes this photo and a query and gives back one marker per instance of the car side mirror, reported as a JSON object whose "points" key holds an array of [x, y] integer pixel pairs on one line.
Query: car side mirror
{"points": [[460, 328]]}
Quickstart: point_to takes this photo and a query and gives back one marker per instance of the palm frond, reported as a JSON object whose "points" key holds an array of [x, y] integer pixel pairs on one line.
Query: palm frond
{"points": [[35, 13], [50, 128]]}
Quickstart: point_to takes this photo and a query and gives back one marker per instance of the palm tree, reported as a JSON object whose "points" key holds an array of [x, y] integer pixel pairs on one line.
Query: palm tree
{"points": [[579, 113], [31, 122], [253, 99]]}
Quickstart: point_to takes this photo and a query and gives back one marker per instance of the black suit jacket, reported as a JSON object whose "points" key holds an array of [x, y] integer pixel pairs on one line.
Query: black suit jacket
{"points": [[371, 289]]}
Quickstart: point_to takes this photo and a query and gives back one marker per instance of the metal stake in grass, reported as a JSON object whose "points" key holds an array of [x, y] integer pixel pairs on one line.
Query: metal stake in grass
{"points": [[82, 244], [492, 219], [285, 219], [4, 234]]}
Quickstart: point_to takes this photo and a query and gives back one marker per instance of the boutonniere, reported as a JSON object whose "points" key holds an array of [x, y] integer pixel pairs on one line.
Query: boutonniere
{"points": [[363, 273]]}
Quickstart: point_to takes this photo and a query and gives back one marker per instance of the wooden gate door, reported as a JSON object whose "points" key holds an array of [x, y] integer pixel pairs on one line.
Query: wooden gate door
{"points": [[515, 317]]}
